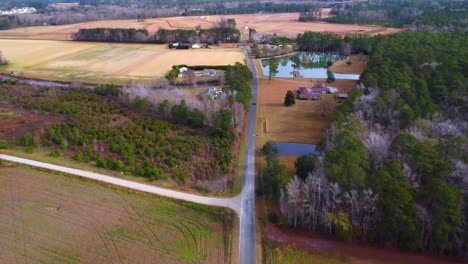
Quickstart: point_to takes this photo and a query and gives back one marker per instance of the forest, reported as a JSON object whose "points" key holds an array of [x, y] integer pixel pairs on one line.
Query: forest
{"points": [[225, 32], [118, 128], [394, 164], [438, 15]]}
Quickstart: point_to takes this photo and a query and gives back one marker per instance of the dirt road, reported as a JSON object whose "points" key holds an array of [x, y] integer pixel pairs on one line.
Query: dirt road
{"points": [[233, 203]]}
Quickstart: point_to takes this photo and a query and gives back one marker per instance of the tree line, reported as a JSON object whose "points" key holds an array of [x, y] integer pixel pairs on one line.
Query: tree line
{"points": [[437, 15], [249, 9], [394, 161], [224, 33]]}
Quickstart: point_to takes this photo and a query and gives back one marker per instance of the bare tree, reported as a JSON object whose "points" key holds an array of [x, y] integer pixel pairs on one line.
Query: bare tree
{"points": [[3, 61]]}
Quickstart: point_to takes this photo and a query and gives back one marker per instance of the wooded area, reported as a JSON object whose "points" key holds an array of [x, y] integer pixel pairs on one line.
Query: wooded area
{"points": [[225, 32], [395, 160]]}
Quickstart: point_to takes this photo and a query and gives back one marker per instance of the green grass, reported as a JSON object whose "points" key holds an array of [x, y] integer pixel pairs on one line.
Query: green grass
{"points": [[237, 188], [134, 223], [277, 254]]}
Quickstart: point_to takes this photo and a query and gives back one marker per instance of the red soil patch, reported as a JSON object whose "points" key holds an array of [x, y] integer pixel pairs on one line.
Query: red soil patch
{"points": [[358, 253], [16, 122]]}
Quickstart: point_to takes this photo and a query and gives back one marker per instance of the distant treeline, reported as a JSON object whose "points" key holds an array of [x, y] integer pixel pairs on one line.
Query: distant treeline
{"points": [[341, 19], [436, 15], [250, 9], [208, 36]]}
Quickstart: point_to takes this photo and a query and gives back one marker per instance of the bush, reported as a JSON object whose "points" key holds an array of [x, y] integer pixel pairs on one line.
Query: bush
{"points": [[289, 99]]}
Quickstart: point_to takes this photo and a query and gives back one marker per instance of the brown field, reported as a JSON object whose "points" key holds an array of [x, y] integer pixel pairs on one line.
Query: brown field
{"points": [[301, 123], [47, 218], [285, 24], [358, 65], [104, 62]]}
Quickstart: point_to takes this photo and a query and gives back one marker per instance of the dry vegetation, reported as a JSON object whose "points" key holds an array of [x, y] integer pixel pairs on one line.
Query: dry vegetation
{"points": [[285, 24], [105, 62], [301, 123], [47, 218], [357, 66]]}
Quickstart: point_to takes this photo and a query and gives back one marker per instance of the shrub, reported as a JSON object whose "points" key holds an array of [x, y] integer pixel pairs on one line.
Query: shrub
{"points": [[289, 99]]}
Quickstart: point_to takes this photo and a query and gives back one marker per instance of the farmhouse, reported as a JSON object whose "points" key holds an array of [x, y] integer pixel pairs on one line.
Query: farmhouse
{"points": [[208, 72], [320, 88], [314, 92], [308, 94]]}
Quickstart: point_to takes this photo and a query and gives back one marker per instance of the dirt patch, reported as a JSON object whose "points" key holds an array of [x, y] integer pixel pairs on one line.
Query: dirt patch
{"points": [[355, 64], [47, 218], [355, 252]]}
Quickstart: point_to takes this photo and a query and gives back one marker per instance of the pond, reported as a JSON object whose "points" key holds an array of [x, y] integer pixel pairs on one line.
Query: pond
{"points": [[309, 65], [295, 149]]}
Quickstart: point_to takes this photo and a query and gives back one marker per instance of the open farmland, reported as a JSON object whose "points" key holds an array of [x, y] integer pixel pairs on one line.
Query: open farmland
{"points": [[104, 62], [47, 218], [285, 24]]}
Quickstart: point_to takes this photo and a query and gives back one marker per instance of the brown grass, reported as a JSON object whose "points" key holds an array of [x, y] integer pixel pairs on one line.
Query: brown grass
{"points": [[358, 65], [285, 24], [105, 62], [47, 218], [301, 123]]}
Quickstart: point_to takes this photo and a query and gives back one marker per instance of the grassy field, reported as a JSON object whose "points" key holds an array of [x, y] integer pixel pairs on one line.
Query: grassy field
{"points": [[104, 62], [357, 66], [48, 218], [285, 24], [301, 123], [277, 254]]}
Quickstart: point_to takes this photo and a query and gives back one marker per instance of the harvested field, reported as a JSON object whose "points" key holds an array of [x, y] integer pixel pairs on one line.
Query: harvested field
{"points": [[300, 123], [285, 24], [47, 218], [104, 62]]}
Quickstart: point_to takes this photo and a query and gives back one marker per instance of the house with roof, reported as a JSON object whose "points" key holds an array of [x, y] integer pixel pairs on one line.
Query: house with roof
{"points": [[209, 72], [308, 94], [211, 93], [196, 46], [320, 88]]}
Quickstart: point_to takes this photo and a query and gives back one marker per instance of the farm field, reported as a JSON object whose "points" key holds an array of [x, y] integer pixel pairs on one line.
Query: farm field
{"points": [[92, 62], [285, 24], [49, 218]]}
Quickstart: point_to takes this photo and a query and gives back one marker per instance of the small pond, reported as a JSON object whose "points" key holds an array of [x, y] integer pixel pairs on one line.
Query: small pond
{"points": [[309, 65], [295, 149]]}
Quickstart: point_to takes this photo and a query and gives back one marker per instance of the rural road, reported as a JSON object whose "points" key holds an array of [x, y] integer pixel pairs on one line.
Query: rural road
{"points": [[247, 212], [233, 202], [243, 204]]}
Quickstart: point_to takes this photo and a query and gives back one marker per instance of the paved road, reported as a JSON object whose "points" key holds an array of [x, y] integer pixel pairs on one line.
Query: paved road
{"points": [[233, 203], [247, 213]]}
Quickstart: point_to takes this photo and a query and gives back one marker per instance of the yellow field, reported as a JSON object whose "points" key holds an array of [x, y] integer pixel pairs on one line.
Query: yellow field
{"points": [[285, 24], [104, 62]]}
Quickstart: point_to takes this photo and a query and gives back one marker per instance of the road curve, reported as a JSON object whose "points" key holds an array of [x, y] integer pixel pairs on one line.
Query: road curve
{"points": [[233, 202], [247, 213]]}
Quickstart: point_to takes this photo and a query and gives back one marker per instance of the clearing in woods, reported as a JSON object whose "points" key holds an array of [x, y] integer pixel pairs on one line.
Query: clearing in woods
{"points": [[50, 218], [283, 24], [93, 62]]}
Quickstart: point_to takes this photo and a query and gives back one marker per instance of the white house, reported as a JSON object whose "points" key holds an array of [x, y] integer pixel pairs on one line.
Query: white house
{"points": [[175, 45], [183, 69], [196, 46]]}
